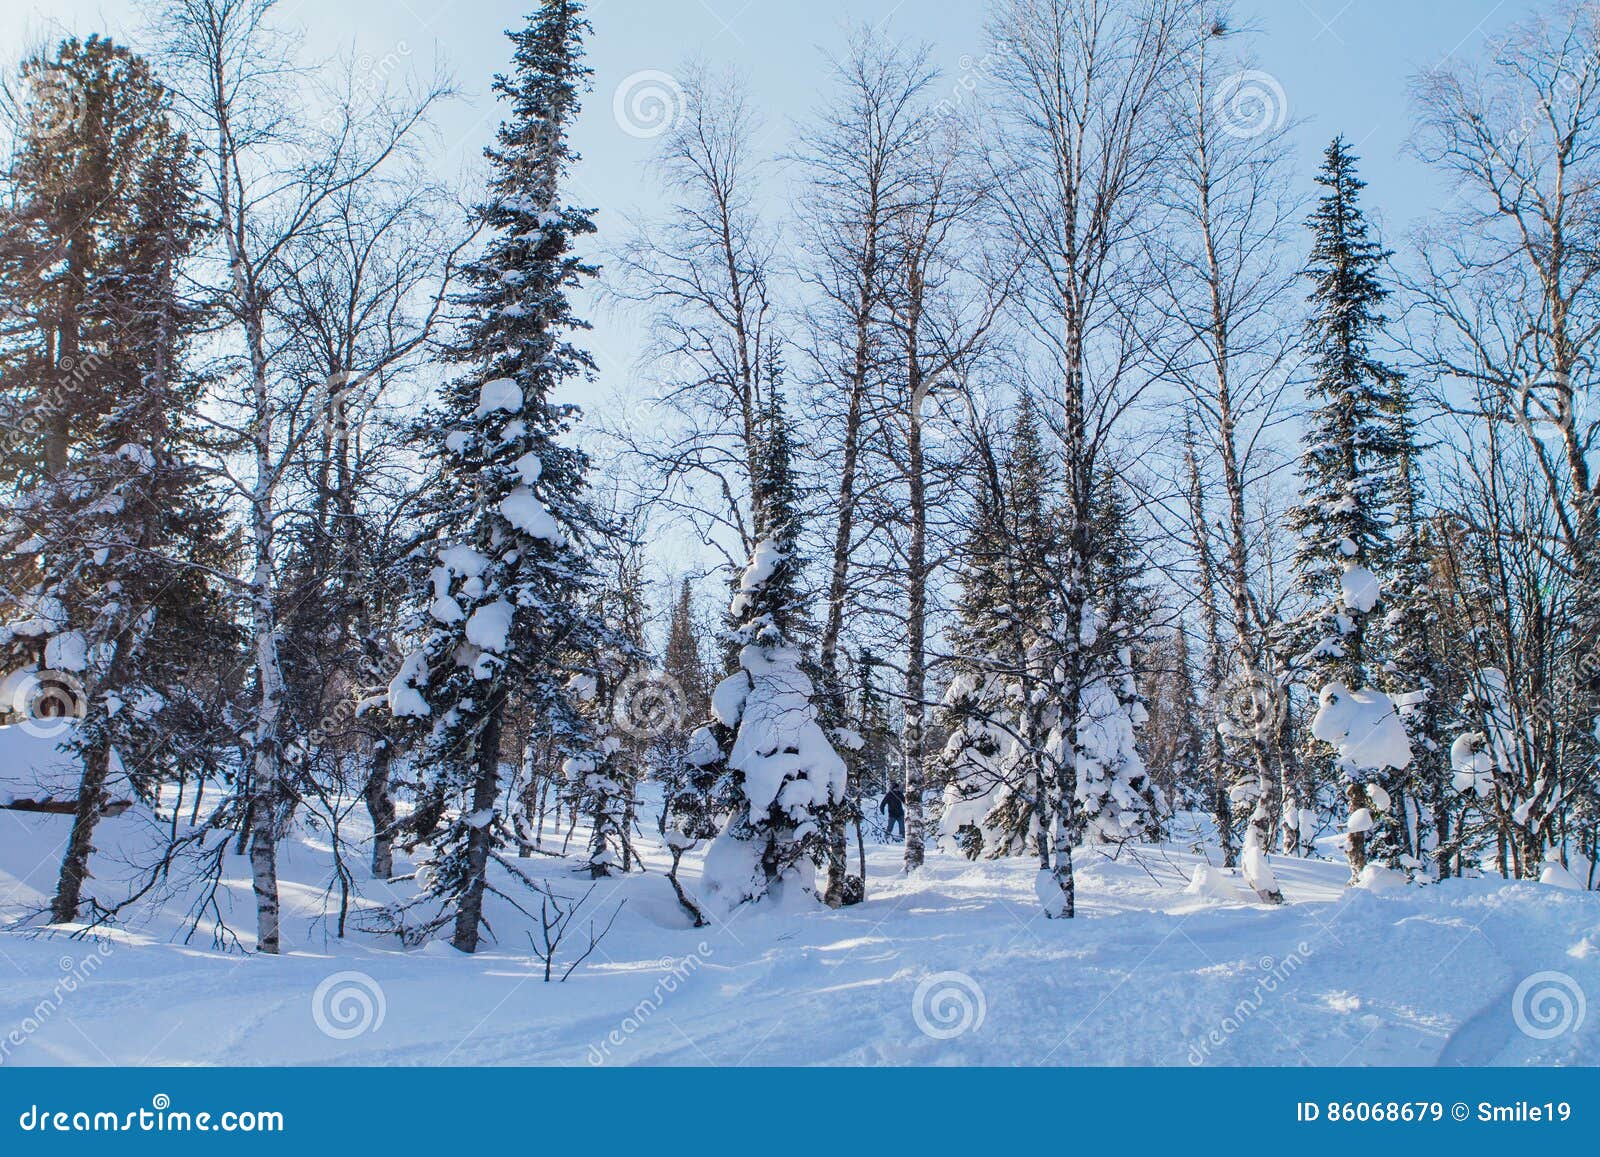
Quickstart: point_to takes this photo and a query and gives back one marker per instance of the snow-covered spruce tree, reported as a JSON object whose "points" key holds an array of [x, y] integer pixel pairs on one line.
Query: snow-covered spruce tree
{"points": [[779, 777], [509, 595], [998, 698], [598, 780], [1094, 707], [1034, 541], [602, 781], [978, 710], [683, 666], [1116, 799], [687, 813], [1416, 673], [1342, 519], [694, 804], [878, 759], [110, 528]]}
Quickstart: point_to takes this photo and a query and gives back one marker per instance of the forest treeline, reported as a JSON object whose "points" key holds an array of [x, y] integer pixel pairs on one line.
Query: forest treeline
{"points": [[1034, 439]]}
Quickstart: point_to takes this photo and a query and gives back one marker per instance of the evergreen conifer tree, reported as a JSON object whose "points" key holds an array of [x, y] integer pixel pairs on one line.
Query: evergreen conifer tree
{"points": [[510, 596], [1416, 673], [688, 813], [1116, 798], [996, 705], [979, 703], [110, 532], [779, 777], [1343, 519]]}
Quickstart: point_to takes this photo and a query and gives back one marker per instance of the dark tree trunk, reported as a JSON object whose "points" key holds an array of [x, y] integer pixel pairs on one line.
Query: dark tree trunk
{"points": [[696, 913], [380, 806], [1356, 842], [75, 864], [485, 790], [91, 805]]}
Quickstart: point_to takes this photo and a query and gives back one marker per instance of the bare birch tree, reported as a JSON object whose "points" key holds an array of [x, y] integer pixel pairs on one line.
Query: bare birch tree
{"points": [[704, 276], [271, 168], [1506, 296], [1222, 278], [859, 157], [1082, 83]]}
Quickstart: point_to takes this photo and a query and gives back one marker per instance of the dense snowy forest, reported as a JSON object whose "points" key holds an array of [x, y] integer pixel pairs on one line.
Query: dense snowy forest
{"points": [[1051, 455]]}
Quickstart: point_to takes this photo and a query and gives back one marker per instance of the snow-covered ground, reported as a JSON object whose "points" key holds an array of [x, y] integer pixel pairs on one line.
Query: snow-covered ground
{"points": [[954, 966]]}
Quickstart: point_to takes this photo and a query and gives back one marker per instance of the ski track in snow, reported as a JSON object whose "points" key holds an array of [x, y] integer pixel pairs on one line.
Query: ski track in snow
{"points": [[1148, 974]]}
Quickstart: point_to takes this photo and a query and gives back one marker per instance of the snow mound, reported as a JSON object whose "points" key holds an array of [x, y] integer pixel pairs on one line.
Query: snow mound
{"points": [[1364, 727], [1212, 883], [1558, 877], [1378, 878]]}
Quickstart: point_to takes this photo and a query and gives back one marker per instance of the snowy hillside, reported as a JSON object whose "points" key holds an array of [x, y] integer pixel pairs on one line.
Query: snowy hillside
{"points": [[956, 966]]}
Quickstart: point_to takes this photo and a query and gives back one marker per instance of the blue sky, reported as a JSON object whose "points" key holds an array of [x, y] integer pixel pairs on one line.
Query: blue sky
{"points": [[1343, 66]]}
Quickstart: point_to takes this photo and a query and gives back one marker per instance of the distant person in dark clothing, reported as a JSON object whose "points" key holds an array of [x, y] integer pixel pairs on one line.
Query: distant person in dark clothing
{"points": [[894, 802]]}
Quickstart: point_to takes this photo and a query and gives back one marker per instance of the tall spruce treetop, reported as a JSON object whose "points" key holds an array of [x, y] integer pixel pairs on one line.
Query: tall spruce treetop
{"points": [[511, 570], [1349, 444], [511, 596], [1343, 518]]}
